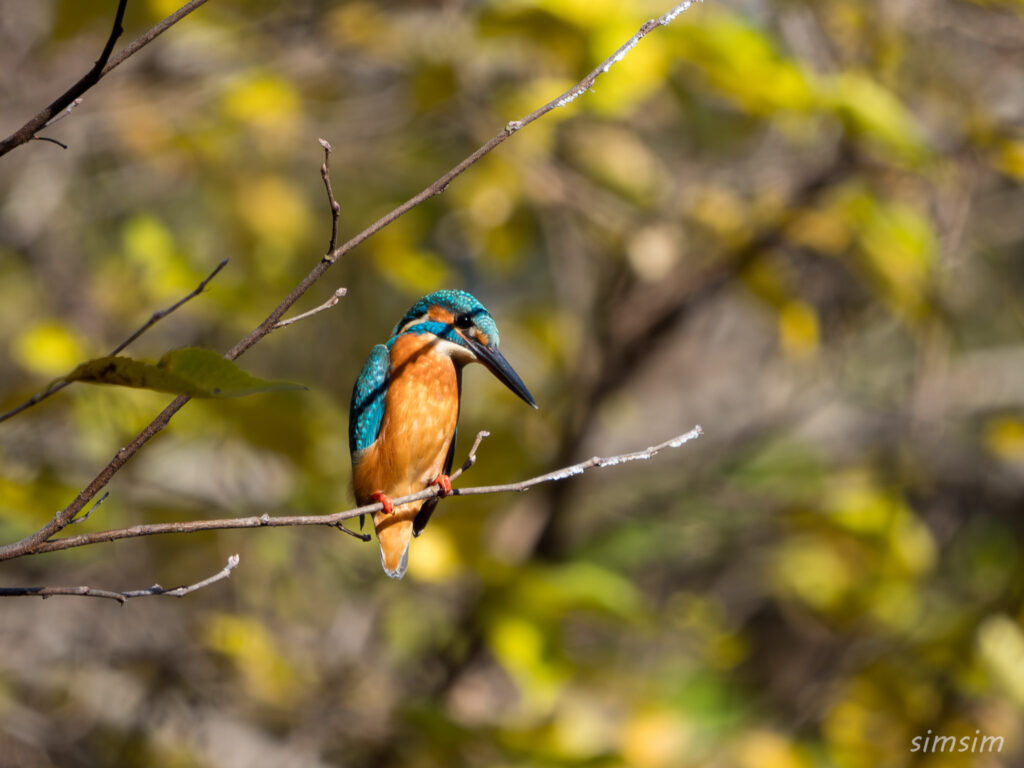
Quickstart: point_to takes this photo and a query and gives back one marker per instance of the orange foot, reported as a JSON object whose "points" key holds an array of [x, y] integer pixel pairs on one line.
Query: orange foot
{"points": [[383, 498], [446, 484]]}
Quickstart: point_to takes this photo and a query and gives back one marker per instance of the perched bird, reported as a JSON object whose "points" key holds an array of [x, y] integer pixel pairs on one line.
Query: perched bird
{"points": [[405, 408]]}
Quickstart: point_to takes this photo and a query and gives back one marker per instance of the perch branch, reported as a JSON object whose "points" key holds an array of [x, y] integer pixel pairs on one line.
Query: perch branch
{"points": [[335, 519], [103, 65], [31, 543], [121, 597], [59, 384]]}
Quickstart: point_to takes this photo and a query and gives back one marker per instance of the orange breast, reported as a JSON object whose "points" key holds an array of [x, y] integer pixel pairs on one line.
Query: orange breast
{"points": [[420, 414]]}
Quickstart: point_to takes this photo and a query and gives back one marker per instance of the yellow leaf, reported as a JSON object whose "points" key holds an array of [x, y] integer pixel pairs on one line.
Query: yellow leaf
{"points": [[898, 246], [865, 726], [1010, 158], [632, 79], [655, 738], [520, 647], [149, 246], [825, 231], [1001, 647], [273, 208], [47, 349], [414, 272], [621, 160], [870, 109], [266, 671], [811, 569], [582, 729], [435, 559], [722, 211], [798, 330], [266, 103], [768, 749], [1004, 437], [742, 64]]}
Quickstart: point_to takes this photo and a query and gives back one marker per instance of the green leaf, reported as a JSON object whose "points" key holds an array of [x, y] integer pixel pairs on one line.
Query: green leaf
{"points": [[191, 371]]}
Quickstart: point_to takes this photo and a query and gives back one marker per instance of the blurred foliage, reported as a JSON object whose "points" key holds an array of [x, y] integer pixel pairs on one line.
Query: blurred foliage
{"points": [[796, 223], [190, 371]]}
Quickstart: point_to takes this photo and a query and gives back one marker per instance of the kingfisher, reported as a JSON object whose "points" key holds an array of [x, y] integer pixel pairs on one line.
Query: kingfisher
{"points": [[405, 412]]}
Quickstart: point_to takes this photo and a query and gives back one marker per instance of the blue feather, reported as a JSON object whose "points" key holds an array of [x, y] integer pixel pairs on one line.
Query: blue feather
{"points": [[367, 411]]}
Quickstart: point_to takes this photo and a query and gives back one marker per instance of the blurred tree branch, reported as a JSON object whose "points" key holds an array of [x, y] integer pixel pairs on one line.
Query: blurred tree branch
{"points": [[39, 540], [335, 519], [104, 64], [624, 340], [121, 597]]}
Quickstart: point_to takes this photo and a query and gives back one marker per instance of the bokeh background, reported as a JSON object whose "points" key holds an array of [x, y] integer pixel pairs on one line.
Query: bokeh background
{"points": [[797, 223]]}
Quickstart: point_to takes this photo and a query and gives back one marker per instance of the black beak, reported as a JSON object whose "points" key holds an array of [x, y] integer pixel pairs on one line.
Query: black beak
{"points": [[498, 365]]}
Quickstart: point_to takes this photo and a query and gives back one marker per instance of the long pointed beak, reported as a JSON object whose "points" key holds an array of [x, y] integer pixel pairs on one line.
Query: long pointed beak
{"points": [[499, 366]]}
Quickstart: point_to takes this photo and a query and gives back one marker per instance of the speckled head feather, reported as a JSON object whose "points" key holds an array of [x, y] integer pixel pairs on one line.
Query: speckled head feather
{"points": [[456, 303]]}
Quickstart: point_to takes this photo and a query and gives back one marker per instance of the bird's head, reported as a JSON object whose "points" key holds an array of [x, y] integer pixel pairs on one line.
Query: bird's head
{"points": [[456, 317]]}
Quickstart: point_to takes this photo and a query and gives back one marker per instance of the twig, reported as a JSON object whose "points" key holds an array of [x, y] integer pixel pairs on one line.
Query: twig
{"points": [[59, 384], [121, 597], [161, 314], [151, 34], [31, 543], [50, 139], [363, 537], [62, 114], [335, 519], [89, 511], [104, 64], [325, 174], [471, 456], [335, 298]]}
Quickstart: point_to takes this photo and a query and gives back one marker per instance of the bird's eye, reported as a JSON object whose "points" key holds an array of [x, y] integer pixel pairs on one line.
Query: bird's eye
{"points": [[463, 321]]}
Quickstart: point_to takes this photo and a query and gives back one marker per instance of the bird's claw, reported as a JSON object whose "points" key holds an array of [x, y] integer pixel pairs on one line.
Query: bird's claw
{"points": [[385, 500], [445, 483]]}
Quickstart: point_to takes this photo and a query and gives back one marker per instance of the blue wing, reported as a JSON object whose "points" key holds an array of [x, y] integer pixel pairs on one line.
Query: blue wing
{"points": [[367, 410]]}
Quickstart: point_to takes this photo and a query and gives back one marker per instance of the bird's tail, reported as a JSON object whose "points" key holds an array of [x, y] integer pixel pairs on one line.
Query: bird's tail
{"points": [[394, 532]]}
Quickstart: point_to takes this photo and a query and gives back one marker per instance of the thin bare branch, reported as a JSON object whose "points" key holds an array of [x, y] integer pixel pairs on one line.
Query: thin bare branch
{"points": [[59, 384], [471, 456], [121, 597], [33, 542], [325, 174], [89, 511], [335, 298], [363, 537], [335, 519], [104, 64], [50, 139], [160, 314], [62, 114], [151, 34]]}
